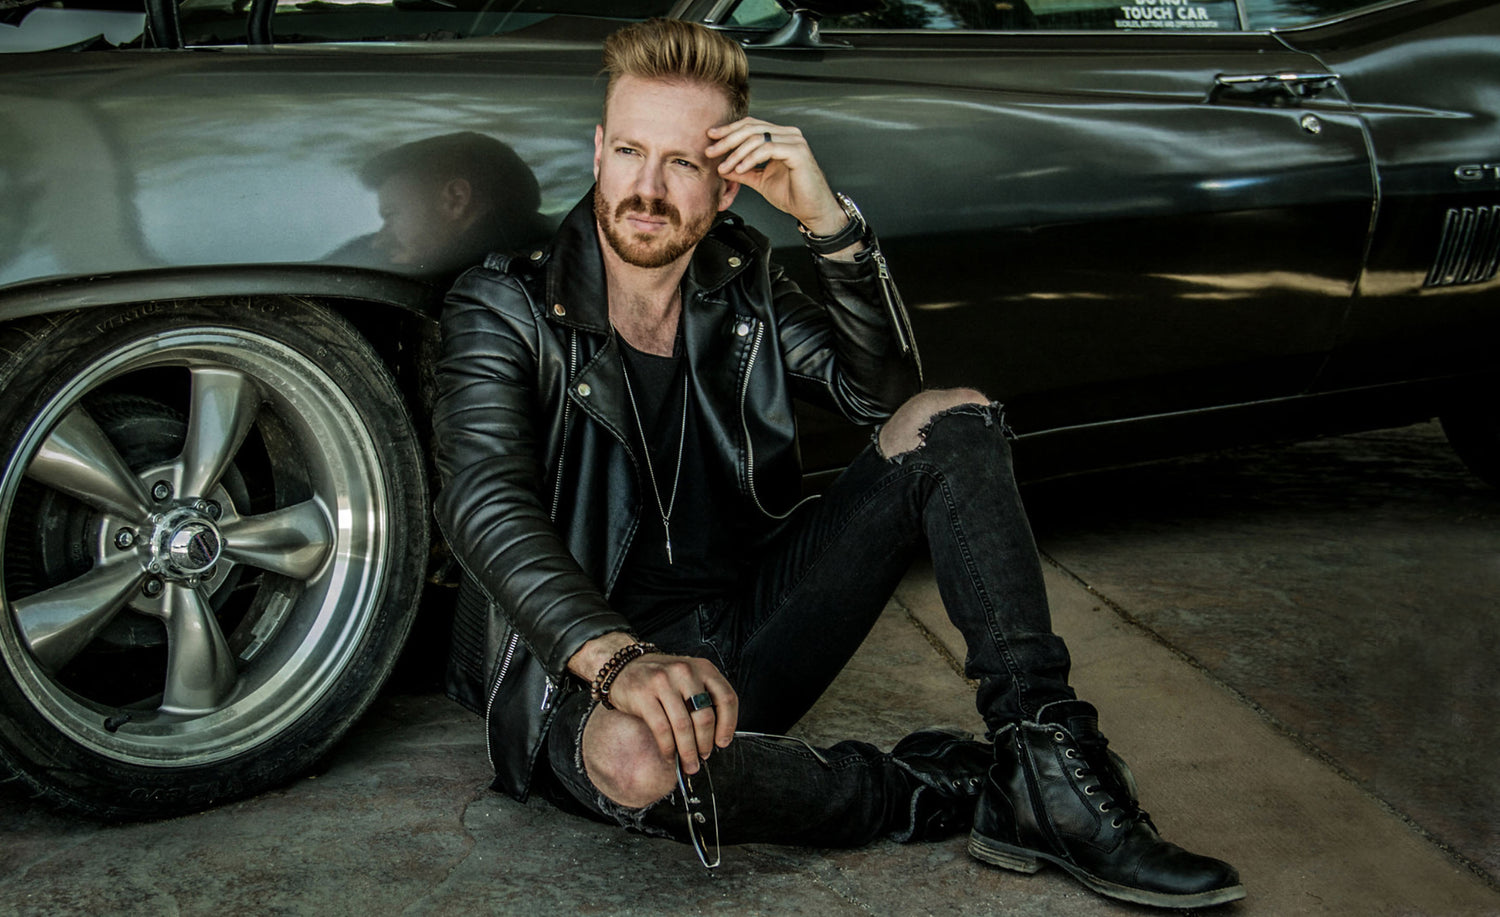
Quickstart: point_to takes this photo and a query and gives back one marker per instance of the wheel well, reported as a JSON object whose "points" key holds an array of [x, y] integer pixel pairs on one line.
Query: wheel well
{"points": [[404, 338], [406, 342]]}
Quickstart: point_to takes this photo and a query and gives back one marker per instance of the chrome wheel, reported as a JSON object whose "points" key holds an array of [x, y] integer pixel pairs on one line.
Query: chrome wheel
{"points": [[198, 543]]}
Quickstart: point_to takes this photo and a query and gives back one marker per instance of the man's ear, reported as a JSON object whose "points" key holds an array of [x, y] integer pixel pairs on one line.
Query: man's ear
{"points": [[458, 194], [727, 194], [598, 148]]}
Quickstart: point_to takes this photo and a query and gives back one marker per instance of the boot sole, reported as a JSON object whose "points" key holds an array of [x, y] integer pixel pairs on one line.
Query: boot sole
{"points": [[1019, 859]]}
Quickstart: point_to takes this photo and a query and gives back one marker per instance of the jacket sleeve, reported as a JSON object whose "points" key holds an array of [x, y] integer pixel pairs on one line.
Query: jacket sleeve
{"points": [[490, 458], [851, 350]]}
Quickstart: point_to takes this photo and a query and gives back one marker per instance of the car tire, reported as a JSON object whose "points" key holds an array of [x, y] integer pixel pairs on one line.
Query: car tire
{"points": [[1473, 430], [214, 524]]}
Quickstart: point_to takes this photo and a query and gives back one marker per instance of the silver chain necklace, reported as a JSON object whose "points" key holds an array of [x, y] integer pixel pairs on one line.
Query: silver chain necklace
{"points": [[666, 512]]}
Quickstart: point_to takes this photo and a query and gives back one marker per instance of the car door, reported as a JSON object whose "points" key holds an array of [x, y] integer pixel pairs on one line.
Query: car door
{"points": [[1426, 79], [1097, 213]]}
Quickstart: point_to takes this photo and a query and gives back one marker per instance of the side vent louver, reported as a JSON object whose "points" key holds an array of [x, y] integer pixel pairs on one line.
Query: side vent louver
{"points": [[1469, 251]]}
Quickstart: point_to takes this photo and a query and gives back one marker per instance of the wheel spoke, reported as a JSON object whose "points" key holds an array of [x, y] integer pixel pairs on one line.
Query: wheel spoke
{"points": [[58, 623], [293, 541], [224, 405], [200, 666], [79, 460]]}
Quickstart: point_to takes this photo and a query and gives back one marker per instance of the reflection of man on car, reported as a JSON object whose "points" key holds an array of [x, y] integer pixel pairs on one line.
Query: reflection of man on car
{"points": [[445, 202]]}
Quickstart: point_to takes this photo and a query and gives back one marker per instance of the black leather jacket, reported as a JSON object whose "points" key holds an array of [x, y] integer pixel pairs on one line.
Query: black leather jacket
{"points": [[542, 483]]}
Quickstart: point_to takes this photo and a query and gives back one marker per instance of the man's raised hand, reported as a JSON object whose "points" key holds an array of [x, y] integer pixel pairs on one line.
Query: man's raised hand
{"points": [[777, 162]]}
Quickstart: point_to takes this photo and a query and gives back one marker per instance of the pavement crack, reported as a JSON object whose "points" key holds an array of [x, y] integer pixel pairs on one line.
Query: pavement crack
{"points": [[426, 902], [937, 645]]}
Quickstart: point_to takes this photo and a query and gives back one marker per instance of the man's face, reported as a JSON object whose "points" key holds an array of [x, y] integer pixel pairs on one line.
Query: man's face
{"points": [[658, 192], [420, 218]]}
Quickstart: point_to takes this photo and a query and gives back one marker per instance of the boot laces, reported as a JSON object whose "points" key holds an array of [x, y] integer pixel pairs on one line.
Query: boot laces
{"points": [[1091, 761]]}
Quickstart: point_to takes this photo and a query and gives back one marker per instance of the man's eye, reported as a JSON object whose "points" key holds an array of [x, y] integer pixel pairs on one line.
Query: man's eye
{"points": [[685, 164]]}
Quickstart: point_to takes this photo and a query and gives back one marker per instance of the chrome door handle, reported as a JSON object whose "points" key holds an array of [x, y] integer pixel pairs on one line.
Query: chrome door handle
{"points": [[1286, 86]]}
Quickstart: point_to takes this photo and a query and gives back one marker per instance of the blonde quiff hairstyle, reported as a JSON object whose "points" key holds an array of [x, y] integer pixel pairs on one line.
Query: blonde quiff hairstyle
{"points": [[674, 50]]}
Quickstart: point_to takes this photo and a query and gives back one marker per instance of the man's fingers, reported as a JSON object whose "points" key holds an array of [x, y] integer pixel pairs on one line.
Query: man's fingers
{"points": [[705, 719], [661, 730], [684, 733], [747, 155], [750, 144], [671, 683], [660, 691], [704, 730], [726, 704], [726, 716], [728, 136]]}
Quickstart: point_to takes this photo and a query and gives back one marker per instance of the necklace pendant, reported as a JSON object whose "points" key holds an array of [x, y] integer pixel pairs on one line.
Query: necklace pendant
{"points": [[668, 526]]}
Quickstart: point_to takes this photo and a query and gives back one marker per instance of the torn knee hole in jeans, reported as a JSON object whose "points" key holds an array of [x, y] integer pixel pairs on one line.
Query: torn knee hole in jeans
{"points": [[626, 816], [634, 819], [898, 457], [992, 413]]}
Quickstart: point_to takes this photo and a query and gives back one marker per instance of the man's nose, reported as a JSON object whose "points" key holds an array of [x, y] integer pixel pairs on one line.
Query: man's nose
{"points": [[648, 181]]}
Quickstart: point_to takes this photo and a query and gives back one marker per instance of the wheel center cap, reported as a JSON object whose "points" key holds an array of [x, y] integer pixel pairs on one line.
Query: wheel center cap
{"points": [[188, 544], [194, 547]]}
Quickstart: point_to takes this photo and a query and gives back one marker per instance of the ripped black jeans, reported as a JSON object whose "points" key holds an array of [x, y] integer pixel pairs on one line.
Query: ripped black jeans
{"points": [[813, 601]]}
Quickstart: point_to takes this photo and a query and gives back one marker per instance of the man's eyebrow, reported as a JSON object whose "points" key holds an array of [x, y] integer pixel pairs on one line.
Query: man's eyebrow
{"points": [[694, 155]]}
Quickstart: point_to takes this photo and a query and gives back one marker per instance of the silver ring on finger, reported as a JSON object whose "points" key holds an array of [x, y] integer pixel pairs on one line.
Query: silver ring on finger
{"points": [[700, 701], [767, 135]]}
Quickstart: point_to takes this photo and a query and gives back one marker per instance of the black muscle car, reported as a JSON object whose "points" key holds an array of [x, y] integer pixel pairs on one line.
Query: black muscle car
{"points": [[1147, 226]]}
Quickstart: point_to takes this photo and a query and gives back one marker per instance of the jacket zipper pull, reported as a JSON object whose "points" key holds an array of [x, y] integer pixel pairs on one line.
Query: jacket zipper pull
{"points": [[893, 301], [546, 695]]}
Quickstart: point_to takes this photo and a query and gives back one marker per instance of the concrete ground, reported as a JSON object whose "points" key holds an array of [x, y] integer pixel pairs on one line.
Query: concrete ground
{"points": [[1293, 648]]}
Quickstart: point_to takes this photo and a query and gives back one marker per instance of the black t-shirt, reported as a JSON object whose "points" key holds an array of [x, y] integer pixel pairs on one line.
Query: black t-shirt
{"points": [[707, 549]]}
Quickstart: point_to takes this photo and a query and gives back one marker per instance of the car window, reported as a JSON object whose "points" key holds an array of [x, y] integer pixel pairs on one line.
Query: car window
{"points": [[756, 14], [62, 23], [1017, 15], [223, 21], [69, 23], [1280, 14]]}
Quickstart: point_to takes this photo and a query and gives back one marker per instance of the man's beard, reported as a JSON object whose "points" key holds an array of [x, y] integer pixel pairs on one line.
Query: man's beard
{"points": [[640, 250]]}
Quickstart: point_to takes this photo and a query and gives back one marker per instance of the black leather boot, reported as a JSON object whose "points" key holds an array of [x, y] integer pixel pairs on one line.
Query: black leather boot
{"points": [[1056, 793], [947, 768]]}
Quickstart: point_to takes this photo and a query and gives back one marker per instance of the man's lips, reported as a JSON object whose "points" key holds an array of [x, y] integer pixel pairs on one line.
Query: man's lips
{"points": [[644, 223]]}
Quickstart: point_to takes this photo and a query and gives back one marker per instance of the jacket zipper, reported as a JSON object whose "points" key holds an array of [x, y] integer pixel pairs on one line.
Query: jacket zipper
{"points": [[510, 652], [893, 302], [515, 636], [567, 414], [760, 333]]}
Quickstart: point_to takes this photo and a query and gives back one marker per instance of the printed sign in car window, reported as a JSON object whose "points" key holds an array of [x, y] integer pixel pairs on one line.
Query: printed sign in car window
{"points": [[1175, 14], [1132, 15], [1022, 15]]}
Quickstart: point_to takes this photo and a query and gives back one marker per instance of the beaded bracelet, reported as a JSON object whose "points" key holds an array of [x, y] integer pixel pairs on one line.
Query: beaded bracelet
{"points": [[599, 690]]}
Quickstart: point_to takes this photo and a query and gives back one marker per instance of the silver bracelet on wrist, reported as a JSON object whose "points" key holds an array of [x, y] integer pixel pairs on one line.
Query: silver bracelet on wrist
{"points": [[853, 231]]}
